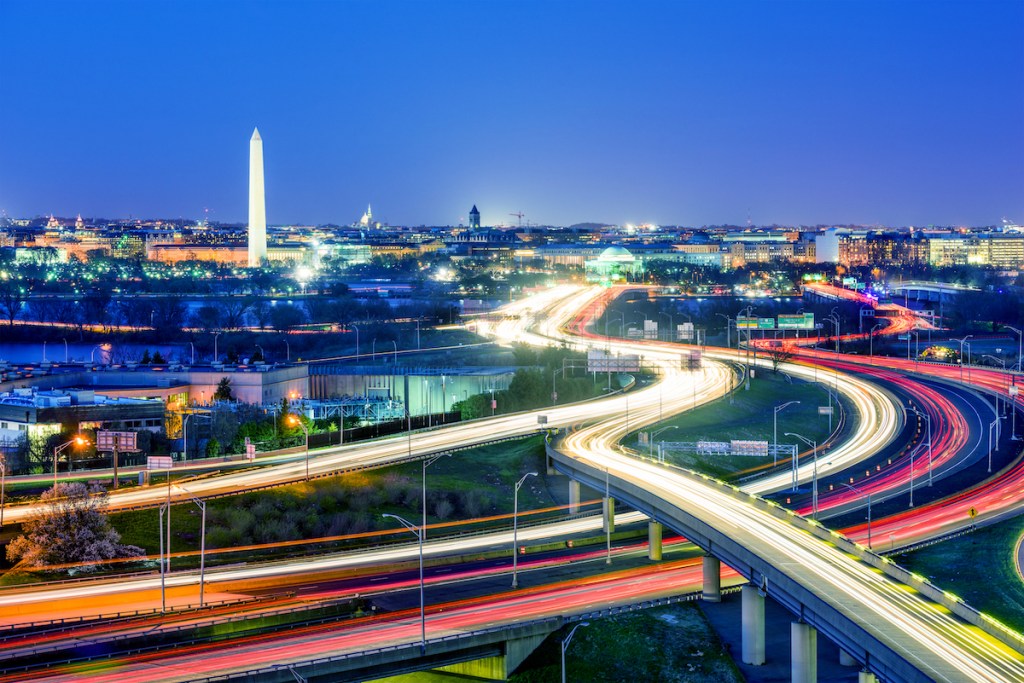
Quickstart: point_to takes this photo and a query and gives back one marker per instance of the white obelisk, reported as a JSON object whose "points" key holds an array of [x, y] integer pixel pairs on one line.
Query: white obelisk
{"points": [[257, 202]]}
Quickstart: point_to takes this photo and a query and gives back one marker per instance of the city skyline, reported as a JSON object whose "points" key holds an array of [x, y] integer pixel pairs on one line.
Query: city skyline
{"points": [[867, 113]]}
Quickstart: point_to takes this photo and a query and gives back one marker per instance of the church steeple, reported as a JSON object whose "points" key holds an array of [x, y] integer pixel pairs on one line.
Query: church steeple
{"points": [[474, 218]]}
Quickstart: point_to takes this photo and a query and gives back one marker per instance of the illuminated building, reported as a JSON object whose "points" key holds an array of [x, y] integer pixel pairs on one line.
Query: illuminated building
{"points": [[257, 202], [614, 263], [367, 220], [474, 218]]}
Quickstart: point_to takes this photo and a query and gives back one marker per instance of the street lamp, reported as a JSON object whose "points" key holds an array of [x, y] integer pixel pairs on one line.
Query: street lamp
{"points": [[296, 422], [671, 325], [834, 317], [928, 421], [77, 441], [193, 356], [356, 328], [263, 354], [961, 341], [650, 441], [3, 487], [202, 543], [871, 343], [515, 529], [1020, 346], [775, 428], [287, 350], [184, 429], [565, 644], [857, 490], [215, 354], [554, 393], [728, 335], [814, 488], [1002, 363], [426, 463], [423, 614]]}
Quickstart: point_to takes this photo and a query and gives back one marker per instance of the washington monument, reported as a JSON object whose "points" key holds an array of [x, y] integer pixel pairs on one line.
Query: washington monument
{"points": [[257, 202]]}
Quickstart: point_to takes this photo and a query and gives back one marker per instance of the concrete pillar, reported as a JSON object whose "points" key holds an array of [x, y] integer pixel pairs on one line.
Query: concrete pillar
{"points": [[550, 465], [804, 652], [753, 625], [608, 510], [846, 659], [712, 590], [866, 676], [574, 497], [654, 530]]}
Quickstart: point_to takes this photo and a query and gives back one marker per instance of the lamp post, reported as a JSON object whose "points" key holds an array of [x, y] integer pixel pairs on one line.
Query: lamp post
{"points": [[263, 354], [77, 441], [814, 489], [871, 343], [515, 529], [192, 360], [216, 356], [356, 328], [961, 341], [1020, 346], [928, 421], [92, 354], [554, 393], [426, 463], [3, 486], [287, 351], [857, 490], [296, 422], [565, 644], [423, 614], [728, 335], [775, 429], [650, 442], [671, 325], [1002, 363], [65, 349], [202, 544], [834, 317], [184, 429]]}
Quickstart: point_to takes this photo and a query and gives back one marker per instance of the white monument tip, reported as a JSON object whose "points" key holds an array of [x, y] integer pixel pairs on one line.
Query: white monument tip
{"points": [[256, 134]]}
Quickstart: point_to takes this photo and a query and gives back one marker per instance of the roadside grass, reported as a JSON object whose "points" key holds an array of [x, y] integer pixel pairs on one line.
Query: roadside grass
{"points": [[673, 644], [970, 566], [746, 415], [468, 484]]}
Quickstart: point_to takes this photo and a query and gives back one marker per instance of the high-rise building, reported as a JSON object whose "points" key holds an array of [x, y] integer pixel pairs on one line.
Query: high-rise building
{"points": [[474, 218], [257, 202]]}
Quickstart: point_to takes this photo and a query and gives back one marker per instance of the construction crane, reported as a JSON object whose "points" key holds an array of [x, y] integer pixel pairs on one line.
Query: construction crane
{"points": [[519, 215]]}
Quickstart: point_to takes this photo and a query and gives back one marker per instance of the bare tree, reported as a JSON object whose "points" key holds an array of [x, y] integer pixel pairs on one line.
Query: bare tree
{"points": [[12, 297], [778, 355]]}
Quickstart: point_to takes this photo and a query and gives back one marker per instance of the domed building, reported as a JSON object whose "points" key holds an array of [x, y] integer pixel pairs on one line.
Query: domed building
{"points": [[614, 264]]}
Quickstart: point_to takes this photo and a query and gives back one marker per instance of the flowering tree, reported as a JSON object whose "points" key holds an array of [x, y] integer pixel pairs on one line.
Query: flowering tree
{"points": [[72, 529]]}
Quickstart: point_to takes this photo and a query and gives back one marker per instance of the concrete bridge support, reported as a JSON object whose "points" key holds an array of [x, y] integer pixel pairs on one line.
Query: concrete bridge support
{"points": [[574, 496], [712, 585], [500, 667], [608, 512], [752, 610], [804, 648], [866, 676], [654, 532]]}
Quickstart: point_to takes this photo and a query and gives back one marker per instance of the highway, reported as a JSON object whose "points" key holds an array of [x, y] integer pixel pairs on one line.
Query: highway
{"points": [[594, 445]]}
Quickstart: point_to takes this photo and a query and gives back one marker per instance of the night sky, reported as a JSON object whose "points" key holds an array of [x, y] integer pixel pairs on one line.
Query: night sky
{"points": [[688, 113]]}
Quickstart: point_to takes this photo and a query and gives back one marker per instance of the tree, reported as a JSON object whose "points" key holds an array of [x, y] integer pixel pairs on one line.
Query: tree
{"points": [[223, 392], [146, 358], [72, 529], [283, 317], [12, 298], [779, 354], [158, 359]]}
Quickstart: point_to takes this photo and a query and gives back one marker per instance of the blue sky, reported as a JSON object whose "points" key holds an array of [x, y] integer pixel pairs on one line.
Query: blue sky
{"points": [[692, 113]]}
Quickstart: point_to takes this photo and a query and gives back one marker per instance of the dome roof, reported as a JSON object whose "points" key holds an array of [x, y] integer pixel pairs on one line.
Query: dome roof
{"points": [[616, 254]]}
